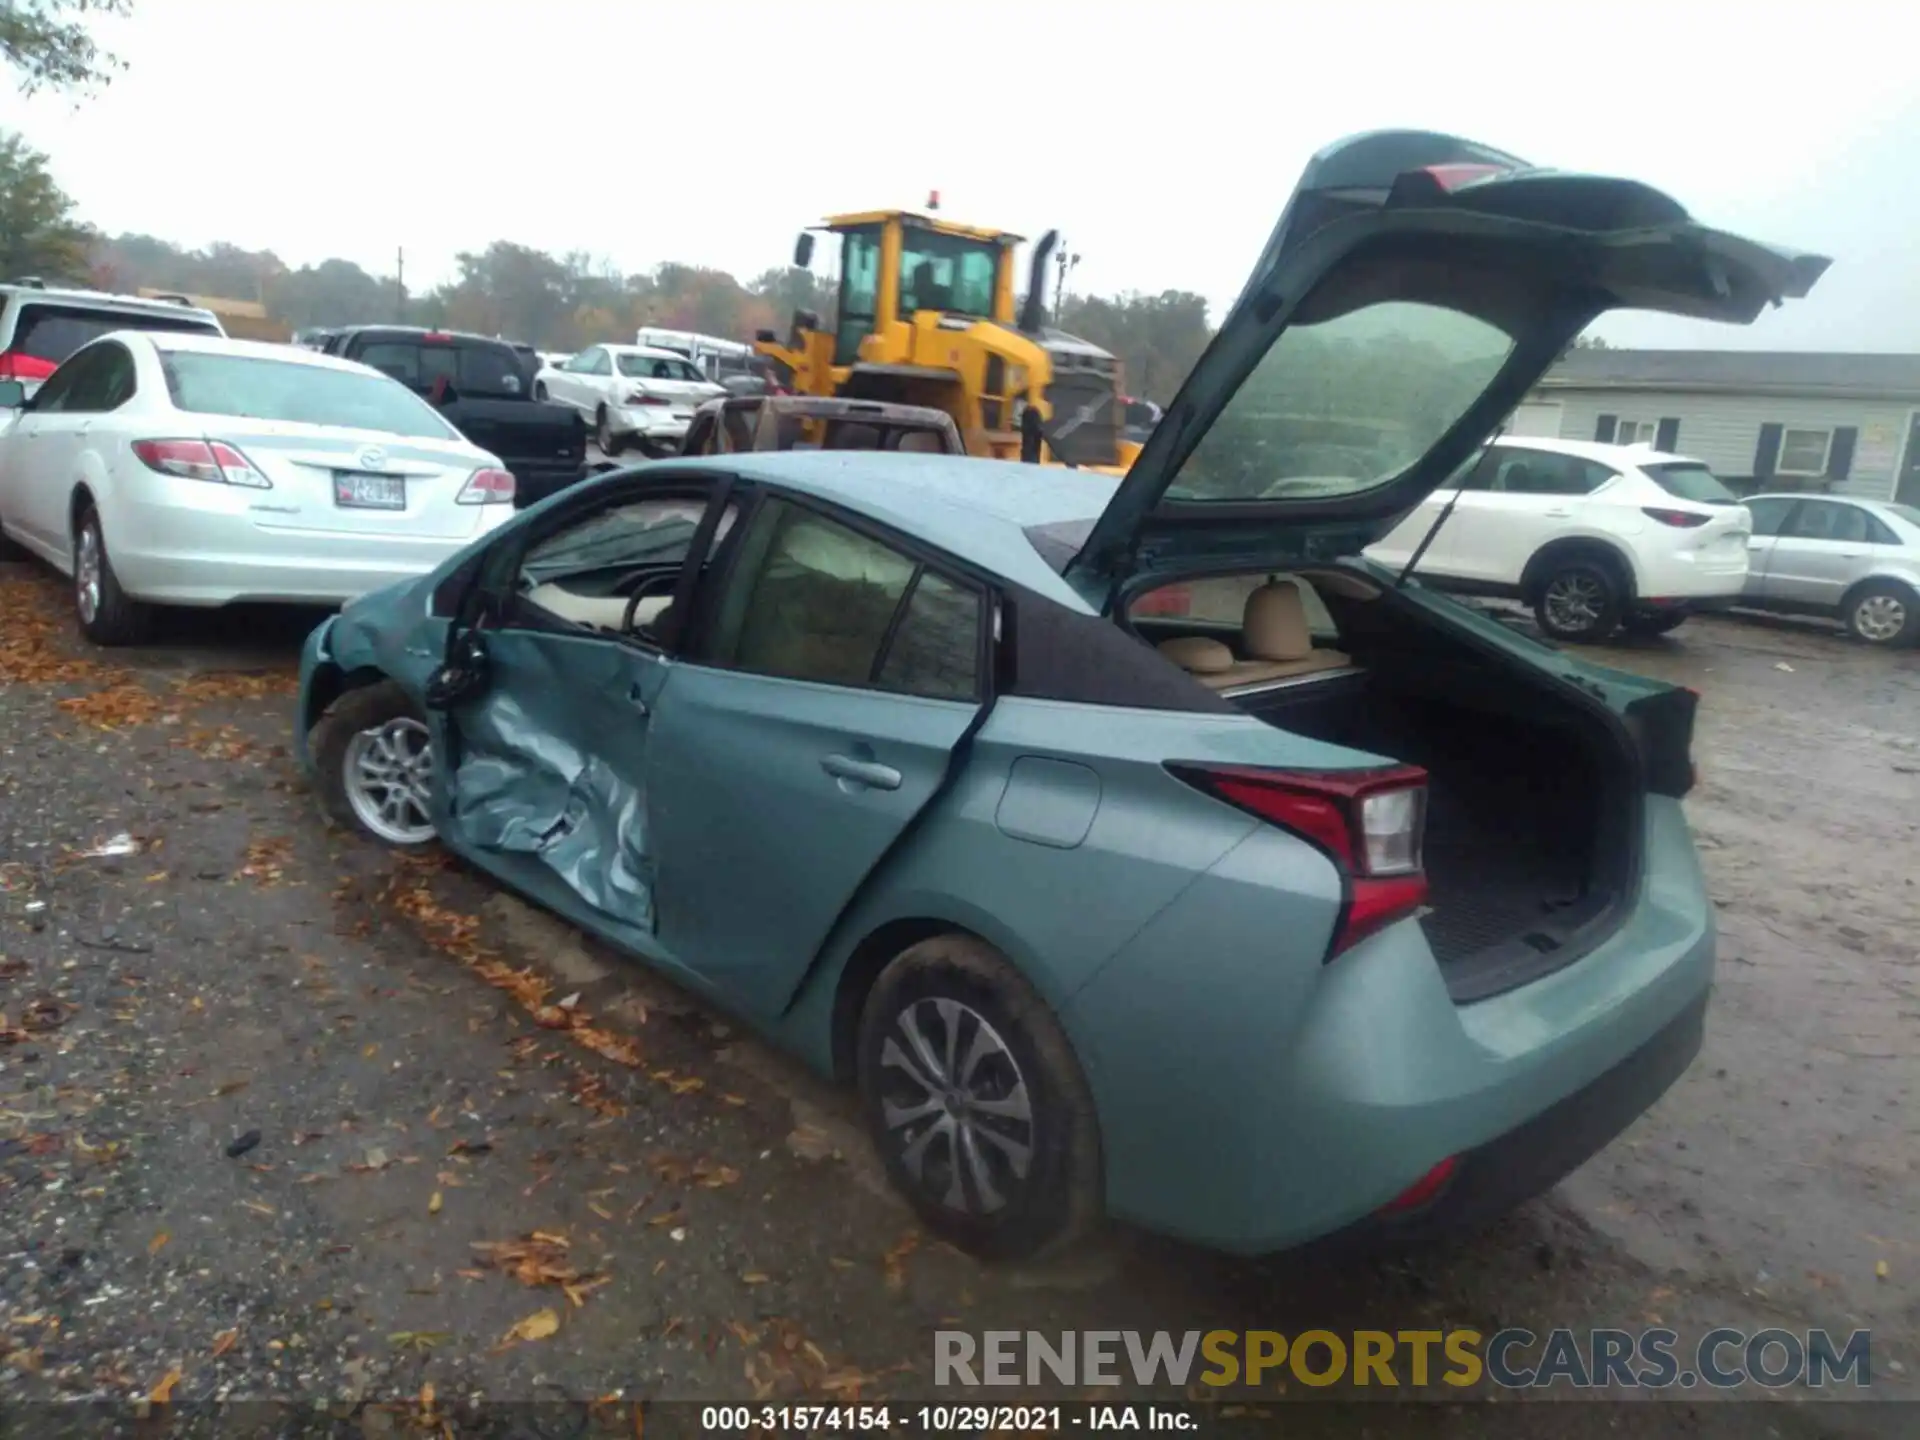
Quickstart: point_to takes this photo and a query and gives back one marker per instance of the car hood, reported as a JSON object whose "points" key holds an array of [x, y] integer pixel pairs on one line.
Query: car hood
{"points": [[1414, 289]]}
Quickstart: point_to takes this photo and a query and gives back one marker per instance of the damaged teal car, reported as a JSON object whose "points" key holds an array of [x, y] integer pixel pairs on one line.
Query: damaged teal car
{"points": [[1135, 849]]}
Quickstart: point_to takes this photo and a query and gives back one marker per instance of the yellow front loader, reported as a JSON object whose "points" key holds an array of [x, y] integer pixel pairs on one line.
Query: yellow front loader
{"points": [[925, 316]]}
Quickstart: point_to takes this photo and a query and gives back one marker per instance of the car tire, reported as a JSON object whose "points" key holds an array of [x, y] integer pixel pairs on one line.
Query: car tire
{"points": [[1037, 1188], [540, 392], [610, 444], [1578, 602], [1884, 613], [373, 765], [1647, 626], [107, 614]]}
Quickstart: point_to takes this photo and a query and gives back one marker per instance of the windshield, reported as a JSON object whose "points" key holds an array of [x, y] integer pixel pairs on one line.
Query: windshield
{"points": [[303, 394], [654, 367], [947, 272], [1691, 482], [1345, 405]]}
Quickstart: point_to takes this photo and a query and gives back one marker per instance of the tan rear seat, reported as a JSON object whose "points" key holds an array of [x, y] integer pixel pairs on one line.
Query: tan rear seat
{"points": [[1273, 632]]}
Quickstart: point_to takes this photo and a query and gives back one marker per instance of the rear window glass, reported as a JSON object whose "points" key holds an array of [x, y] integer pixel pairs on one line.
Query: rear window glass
{"points": [[483, 371], [302, 394], [1907, 513], [654, 367], [53, 332], [1691, 482]]}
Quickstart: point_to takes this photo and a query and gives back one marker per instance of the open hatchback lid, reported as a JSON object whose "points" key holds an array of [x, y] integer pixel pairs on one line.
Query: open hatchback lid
{"points": [[1415, 288]]}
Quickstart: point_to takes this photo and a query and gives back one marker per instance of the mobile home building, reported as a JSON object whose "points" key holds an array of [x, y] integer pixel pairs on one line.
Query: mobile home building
{"points": [[1761, 420]]}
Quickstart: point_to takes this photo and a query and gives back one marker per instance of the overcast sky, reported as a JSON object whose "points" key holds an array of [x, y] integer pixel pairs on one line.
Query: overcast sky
{"points": [[1161, 139]]}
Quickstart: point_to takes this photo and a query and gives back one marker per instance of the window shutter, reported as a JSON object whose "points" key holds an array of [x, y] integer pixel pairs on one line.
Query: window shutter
{"points": [[1603, 432], [1840, 453], [1667, 436], [1766, 454]]}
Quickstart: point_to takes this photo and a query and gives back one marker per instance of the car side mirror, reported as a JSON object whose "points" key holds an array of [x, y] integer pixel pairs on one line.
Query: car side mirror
{"points": [[803, 251], [13, 395]]}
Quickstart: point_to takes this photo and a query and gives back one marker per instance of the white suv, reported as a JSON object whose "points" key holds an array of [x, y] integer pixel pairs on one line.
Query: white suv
{"points": [[1594, 537], [40, 328]]}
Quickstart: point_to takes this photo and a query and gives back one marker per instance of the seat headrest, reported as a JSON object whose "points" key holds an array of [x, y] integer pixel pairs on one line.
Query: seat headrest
{"points": [[1274, 625], [1197, 655]]}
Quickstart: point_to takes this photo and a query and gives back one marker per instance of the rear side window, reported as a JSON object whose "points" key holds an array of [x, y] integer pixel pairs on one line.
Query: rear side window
{"points": [[812, 599], [1690, 482], [483, 371], [53, 332], [1539, 472]]}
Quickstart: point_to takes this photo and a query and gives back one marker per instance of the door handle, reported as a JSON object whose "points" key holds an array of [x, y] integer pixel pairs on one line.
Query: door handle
{"points": [[861, 772], [638, 700]]}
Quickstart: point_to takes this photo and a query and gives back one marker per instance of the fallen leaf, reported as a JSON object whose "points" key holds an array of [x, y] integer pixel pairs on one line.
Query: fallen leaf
{"points": [[225, 1341], [1880, 1270], [153, 1245], [665, 1217], [734, 1099], [258, 1208], [537, 1326], [433, 1205], [755, 1277], [232, 1087], [418, 1339], [604, 1214], [162, 1393]]}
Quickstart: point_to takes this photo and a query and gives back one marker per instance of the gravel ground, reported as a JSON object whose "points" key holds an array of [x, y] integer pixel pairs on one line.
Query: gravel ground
{"points": [[282, 1115]]}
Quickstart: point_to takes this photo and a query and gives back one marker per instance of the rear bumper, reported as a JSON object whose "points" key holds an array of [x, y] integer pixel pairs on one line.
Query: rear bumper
{"points": [[650, 422], [1305, 1102], [1703, 579], [1495, 1178], [216, 552]]}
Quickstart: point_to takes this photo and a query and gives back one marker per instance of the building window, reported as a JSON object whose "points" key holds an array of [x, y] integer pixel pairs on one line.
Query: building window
{"points": [[1635, 432], [1804, 452]]}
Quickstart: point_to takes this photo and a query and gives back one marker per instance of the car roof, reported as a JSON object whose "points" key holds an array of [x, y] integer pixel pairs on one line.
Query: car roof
{"points": [[650, 352], [1620, 456], [1879, 507], [100, 300], [253, 349], [977, 510]]}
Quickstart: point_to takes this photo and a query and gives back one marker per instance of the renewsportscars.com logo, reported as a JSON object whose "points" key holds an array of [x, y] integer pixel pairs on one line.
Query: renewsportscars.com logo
{"points": [[1514, 1359]]}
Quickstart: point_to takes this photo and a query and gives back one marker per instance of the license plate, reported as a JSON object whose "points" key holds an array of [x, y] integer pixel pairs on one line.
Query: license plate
{"points": [[369, 492]]}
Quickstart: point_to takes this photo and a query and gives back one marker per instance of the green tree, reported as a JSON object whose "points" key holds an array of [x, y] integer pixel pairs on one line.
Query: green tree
{"points": [[51, 46], [38, 234]]}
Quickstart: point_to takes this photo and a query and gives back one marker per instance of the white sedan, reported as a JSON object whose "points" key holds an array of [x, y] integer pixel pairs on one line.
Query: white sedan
{"points": [[630, 394], [173, 469]]}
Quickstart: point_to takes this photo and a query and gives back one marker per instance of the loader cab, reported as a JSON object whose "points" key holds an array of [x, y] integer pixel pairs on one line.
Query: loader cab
{"points": [[895, 264]]}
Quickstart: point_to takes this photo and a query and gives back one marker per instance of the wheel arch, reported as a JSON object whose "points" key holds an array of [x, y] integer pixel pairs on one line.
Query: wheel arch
{"points": [[328, 683], [1877, 581], [1572, 549]]}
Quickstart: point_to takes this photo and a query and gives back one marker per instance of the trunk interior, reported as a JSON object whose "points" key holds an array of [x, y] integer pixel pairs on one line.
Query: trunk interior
{"points": [[1533, 801]]}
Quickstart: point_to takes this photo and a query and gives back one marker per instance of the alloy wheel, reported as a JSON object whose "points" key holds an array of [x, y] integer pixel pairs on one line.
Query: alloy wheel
{"points": [[388, 778], [1575, 602], [86, 573], [1880, 618], [955, 1106]]}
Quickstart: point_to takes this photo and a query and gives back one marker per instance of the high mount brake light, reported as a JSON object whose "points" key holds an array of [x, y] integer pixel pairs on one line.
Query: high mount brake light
{"points": [[1370, 823], [210, 460], [1452, 177], [1678, 519]]}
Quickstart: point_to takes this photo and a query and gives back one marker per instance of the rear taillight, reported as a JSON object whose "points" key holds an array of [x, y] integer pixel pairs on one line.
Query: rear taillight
{"points": [[1167, 600], [1424, 1191], [487, 487], [1679, 519], [641, 397], [16, 366], [210, 460], [1371, 823], [1452, 177]]}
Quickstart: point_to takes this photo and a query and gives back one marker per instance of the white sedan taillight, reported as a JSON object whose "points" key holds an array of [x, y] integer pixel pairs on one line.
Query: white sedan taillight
{"points": [[212, 460], [487, 487]]}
